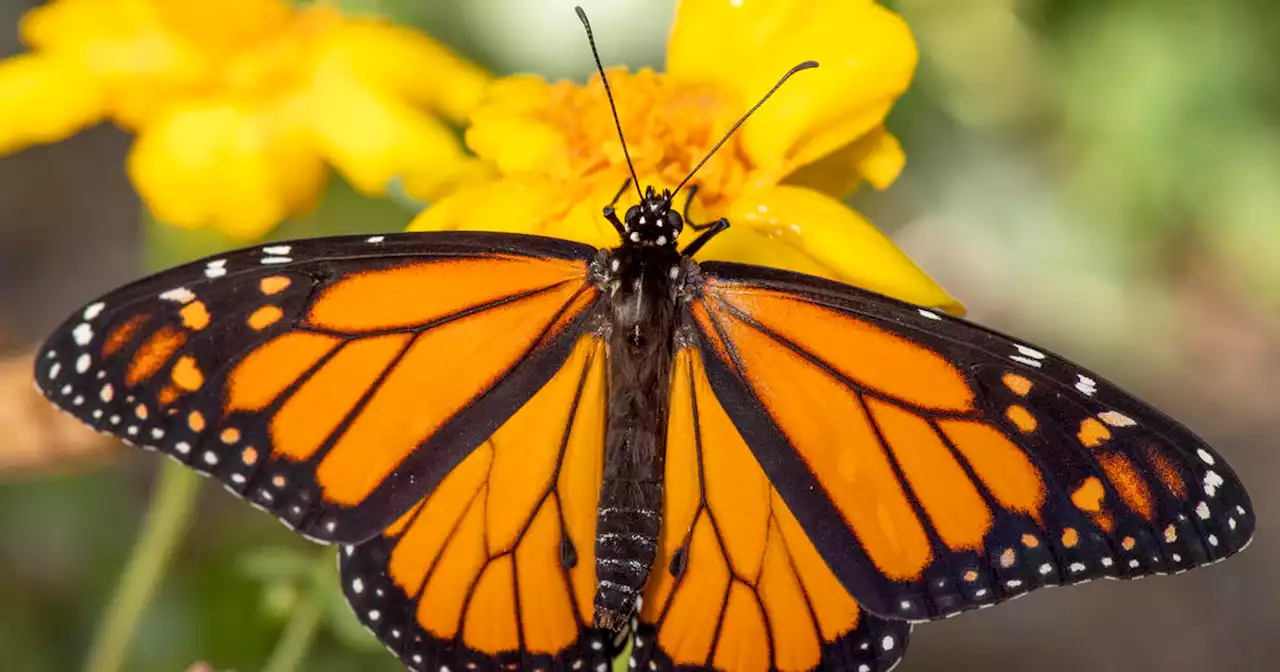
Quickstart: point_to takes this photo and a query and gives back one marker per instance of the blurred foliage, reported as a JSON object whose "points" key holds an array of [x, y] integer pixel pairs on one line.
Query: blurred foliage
{"points": [[1103, 152]]}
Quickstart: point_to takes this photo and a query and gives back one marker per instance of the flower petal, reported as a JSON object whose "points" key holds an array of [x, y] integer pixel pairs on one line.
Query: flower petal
{"points": [[867, 57], [224, 24], [412, 65], [836, 241], [45, 98], [876, 157], [509, 205], [371, 136], [126, 50], [225, 166]]}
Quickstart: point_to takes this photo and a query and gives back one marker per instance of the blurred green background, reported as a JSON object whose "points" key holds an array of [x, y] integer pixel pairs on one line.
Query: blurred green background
{"points": [[1102, 178]]}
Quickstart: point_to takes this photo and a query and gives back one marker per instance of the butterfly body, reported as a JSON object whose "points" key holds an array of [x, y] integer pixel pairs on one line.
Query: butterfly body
{"points": [[640, 285]]}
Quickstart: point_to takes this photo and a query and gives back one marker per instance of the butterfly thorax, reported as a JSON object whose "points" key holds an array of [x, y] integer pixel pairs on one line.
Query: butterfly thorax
{"points": [[641, 288]]}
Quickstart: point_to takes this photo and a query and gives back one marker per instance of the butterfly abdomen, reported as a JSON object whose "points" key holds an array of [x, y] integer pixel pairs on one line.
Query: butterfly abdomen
{"points": [[641, 318]]}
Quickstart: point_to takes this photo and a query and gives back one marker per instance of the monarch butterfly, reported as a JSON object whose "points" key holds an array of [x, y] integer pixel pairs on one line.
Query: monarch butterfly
{"points": [[532, 451]]}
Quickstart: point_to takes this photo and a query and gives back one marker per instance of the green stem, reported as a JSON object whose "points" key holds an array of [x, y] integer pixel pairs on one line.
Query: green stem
{"points": [[168, 517], [304, 620]]}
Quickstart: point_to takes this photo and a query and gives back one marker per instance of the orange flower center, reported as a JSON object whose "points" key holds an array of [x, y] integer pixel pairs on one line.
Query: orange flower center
{"points": [[669, 126]]}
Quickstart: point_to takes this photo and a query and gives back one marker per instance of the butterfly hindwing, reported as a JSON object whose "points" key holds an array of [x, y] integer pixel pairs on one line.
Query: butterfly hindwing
{"points": [[495, 568], [330, 381], [939, 466], [737, 585]]}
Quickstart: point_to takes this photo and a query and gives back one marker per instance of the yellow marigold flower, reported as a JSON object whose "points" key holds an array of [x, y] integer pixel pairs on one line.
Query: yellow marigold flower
{"points": [[779, 180], [240, 105]]}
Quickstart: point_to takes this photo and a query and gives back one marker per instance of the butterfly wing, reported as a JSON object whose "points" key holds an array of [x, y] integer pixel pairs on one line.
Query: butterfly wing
{"points": [[495, 568], [938, 466], [738, 586], [331, 381]]}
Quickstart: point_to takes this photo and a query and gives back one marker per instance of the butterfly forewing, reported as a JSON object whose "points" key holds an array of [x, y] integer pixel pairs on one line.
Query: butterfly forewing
{"points": [[939, 466], [332, 381]]}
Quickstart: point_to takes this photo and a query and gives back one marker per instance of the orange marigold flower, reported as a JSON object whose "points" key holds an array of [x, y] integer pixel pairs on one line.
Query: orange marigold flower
{"points": [[779, 180], [240, 106]]}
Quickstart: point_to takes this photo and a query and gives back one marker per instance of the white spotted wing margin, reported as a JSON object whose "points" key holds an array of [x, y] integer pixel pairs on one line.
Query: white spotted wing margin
{"points": [[391, 616], [875, 645]]}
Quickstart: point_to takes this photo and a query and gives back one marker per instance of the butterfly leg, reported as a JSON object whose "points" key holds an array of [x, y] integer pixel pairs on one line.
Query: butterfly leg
{"points": [[688, 201], [611, 215], [715, 228]]}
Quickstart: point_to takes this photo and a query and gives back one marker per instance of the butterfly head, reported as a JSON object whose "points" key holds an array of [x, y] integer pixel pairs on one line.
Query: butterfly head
{"points": [[652, 222]]}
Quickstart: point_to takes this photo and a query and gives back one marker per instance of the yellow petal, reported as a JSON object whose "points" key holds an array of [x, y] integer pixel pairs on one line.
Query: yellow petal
{"points": [[515, 94], [227, 167], [430, 185], [45, 98], [223, 24], [511, 205], [126, 48], [876, 157], [746, 245], [836, 240], [66, 23], [518, 144], [867, 57], [371, 136], [585, 222], [412, 65]]}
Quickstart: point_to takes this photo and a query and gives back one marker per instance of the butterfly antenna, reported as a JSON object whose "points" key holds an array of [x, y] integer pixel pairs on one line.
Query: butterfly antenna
{"points": [[582, 16], [803, 66]]}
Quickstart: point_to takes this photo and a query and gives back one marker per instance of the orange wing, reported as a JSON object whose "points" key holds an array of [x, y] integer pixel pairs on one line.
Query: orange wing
{"points": [[737, 585], [333, 381], [938, 466], [495, 569]]}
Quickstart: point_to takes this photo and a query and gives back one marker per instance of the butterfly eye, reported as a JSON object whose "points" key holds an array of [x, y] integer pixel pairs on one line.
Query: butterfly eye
{"points": [[674, 222], [633, 214]]}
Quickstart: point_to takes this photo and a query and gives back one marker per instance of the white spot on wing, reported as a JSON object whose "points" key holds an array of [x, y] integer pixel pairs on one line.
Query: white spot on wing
{"points": [[82, 334], [375, 239], [1205, 456], [83, 362], [1025, 360], [1212, 481], [1202, 510], [1029, 352], [179, 294], [94, 310], [276, 260], [277, 249], [1116, 419], [1086, 385], [929, 314]]}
